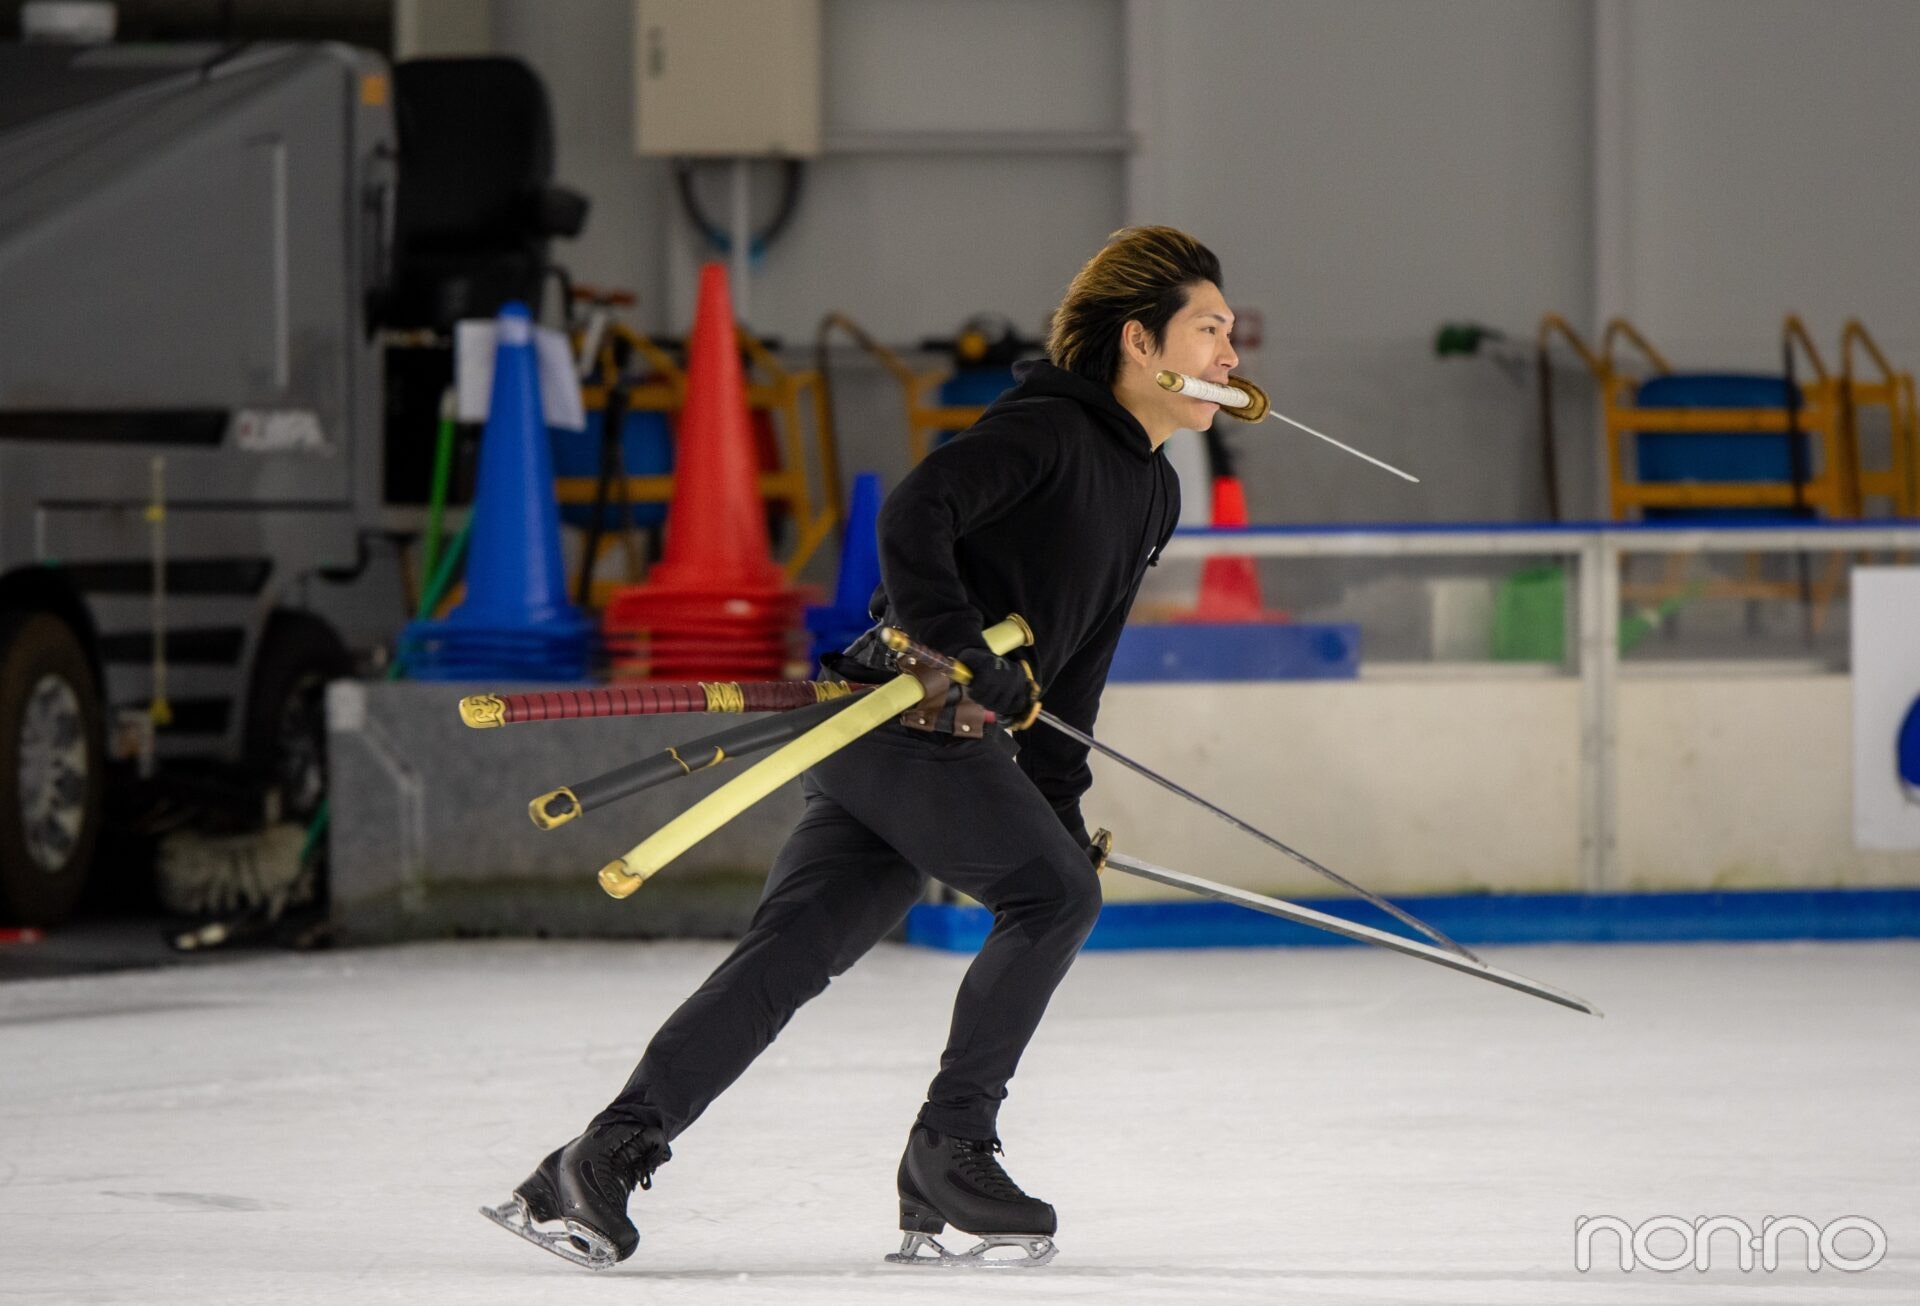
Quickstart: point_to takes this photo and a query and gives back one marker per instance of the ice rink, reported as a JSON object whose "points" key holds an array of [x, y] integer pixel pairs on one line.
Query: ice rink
{"points": [[1326, 1125]]}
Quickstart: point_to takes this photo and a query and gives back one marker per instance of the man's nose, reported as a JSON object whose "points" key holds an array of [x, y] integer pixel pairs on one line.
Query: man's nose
{"points": [[1230, 359]]}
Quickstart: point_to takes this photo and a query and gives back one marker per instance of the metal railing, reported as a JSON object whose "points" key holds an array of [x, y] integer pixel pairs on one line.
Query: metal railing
{"points": [[1597, 551]]}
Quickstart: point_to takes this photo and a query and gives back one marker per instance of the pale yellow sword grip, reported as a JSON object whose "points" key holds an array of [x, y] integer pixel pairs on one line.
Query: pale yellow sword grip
{"points": [[621, 878]]}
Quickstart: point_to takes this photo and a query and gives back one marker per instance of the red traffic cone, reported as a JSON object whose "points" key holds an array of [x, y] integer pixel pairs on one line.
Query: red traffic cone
{"points": [[717, 524], [716, 605], [1230, 585]]}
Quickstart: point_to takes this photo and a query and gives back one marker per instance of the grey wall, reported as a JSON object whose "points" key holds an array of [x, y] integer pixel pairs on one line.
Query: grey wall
{"points": [[910, 242], [1366, 169], [583, 50], [1369, 169], [1771, 161]]}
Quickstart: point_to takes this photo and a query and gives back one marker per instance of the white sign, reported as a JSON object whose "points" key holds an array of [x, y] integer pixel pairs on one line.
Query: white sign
{"points": [[473, 349], [1886, 685]]}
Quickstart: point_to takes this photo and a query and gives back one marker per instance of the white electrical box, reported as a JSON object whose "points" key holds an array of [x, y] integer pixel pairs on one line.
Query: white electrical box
{"points": [[730, 78], [440, 28]]}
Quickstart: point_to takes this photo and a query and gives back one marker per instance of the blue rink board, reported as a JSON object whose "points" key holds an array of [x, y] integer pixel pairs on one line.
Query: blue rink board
{"points": [[1747, 915], [1237, 651]]}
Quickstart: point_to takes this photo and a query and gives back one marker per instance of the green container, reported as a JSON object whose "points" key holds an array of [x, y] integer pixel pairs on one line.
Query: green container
{"points": [[1530, 616]]}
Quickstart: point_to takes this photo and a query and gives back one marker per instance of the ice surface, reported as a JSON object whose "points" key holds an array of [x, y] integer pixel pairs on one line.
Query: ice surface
{"points": [[1338, 1126]]}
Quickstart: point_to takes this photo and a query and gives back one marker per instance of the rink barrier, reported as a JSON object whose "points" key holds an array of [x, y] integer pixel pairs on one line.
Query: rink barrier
{"points": [[1749, 915], [1598, 550], [1236, 651]]}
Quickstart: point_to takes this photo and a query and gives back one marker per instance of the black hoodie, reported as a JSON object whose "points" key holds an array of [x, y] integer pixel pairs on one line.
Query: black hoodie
{"points": [[1052, 505]]}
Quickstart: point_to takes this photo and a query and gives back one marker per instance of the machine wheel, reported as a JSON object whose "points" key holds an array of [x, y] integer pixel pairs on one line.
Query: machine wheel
{"points": [[286, 741], [52, 768]]}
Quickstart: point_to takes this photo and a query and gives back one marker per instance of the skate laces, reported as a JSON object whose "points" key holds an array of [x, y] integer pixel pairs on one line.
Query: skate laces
{"points": [[974, 1160], [639, 1154]]}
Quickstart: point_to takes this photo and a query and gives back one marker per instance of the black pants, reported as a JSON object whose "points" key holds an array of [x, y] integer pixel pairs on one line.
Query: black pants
{"points": [[882, 815]]}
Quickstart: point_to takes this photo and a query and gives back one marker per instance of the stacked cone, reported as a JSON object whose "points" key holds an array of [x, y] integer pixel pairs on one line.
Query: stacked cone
{"points": [[1229, 583], [516, 622], [716, 606]]}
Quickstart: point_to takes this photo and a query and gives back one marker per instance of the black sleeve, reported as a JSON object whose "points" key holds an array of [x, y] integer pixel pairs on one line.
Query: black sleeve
{"points": [[965, 484], [1056, 764]]}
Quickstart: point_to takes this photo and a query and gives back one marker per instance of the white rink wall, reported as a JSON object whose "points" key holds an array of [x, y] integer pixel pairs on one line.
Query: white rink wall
{"points": [[1460, 785]]}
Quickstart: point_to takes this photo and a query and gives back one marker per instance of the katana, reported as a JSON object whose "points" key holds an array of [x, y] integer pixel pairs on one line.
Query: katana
{"points": [[563, 804], [1243, 399], [621, 878], [1293, 911], [899, 643], [484, 711]]}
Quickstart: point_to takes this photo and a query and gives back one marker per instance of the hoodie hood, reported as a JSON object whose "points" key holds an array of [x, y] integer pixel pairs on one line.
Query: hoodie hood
{"points": [[1039, 379]]}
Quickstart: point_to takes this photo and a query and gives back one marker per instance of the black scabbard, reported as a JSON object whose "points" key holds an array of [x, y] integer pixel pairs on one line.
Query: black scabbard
{"points": [[743, 740]]}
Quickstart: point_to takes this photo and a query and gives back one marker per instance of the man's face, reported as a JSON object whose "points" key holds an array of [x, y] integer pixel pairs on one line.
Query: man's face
{"points": [[1197, 342]]}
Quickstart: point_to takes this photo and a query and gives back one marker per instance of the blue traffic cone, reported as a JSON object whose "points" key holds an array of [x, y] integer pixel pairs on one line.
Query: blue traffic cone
{"points": [[516, 621], [838, 624], [516, 572]]}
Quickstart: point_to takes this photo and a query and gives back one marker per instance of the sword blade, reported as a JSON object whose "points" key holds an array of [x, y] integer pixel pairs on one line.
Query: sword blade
{"points": [[1410, 921], [1293, 911], [1282, 417]]}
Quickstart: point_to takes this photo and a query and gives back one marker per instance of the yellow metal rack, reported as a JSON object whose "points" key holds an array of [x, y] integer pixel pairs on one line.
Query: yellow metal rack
{"points": [[794, 399], [1895, 479], [926, 415], [1839, 480]]}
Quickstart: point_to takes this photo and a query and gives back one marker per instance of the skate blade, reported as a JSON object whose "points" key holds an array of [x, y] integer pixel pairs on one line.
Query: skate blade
{"points": [[578, 1244], [924, 1250]]}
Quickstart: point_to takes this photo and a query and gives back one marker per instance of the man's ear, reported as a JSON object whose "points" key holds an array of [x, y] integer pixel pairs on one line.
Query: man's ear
{"points": [[1133, 339]]}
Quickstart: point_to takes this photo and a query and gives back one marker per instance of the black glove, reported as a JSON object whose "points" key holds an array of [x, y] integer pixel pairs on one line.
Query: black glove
{"points": [[1006, 689]]}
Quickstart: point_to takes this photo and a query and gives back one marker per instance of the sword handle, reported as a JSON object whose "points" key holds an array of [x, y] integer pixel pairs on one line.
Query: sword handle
{"points": [[1100, 848], [1239, 397], [900, 642], [957, 672], [622, 877]]}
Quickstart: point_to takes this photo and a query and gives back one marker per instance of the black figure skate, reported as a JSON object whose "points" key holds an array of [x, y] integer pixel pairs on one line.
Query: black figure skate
{"points": [[957, 1181], [584, 1186]]}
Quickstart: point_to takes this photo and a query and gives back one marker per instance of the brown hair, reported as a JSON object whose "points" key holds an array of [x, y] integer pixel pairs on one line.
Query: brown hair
{"points": [[1141, 275]]}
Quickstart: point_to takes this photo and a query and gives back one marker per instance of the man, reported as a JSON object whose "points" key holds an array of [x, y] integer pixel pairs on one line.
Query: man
{"points": [[1052, 506]]}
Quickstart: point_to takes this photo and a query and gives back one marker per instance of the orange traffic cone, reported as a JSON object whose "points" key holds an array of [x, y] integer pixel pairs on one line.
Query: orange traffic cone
{"points": [[716, 605], [1229, 584], [717, 523]]}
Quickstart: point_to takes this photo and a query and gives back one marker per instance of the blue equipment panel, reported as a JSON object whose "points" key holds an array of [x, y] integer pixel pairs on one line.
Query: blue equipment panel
{"points": [[646, 449], [1661, 457], [1237, 651], [972, 387]]}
